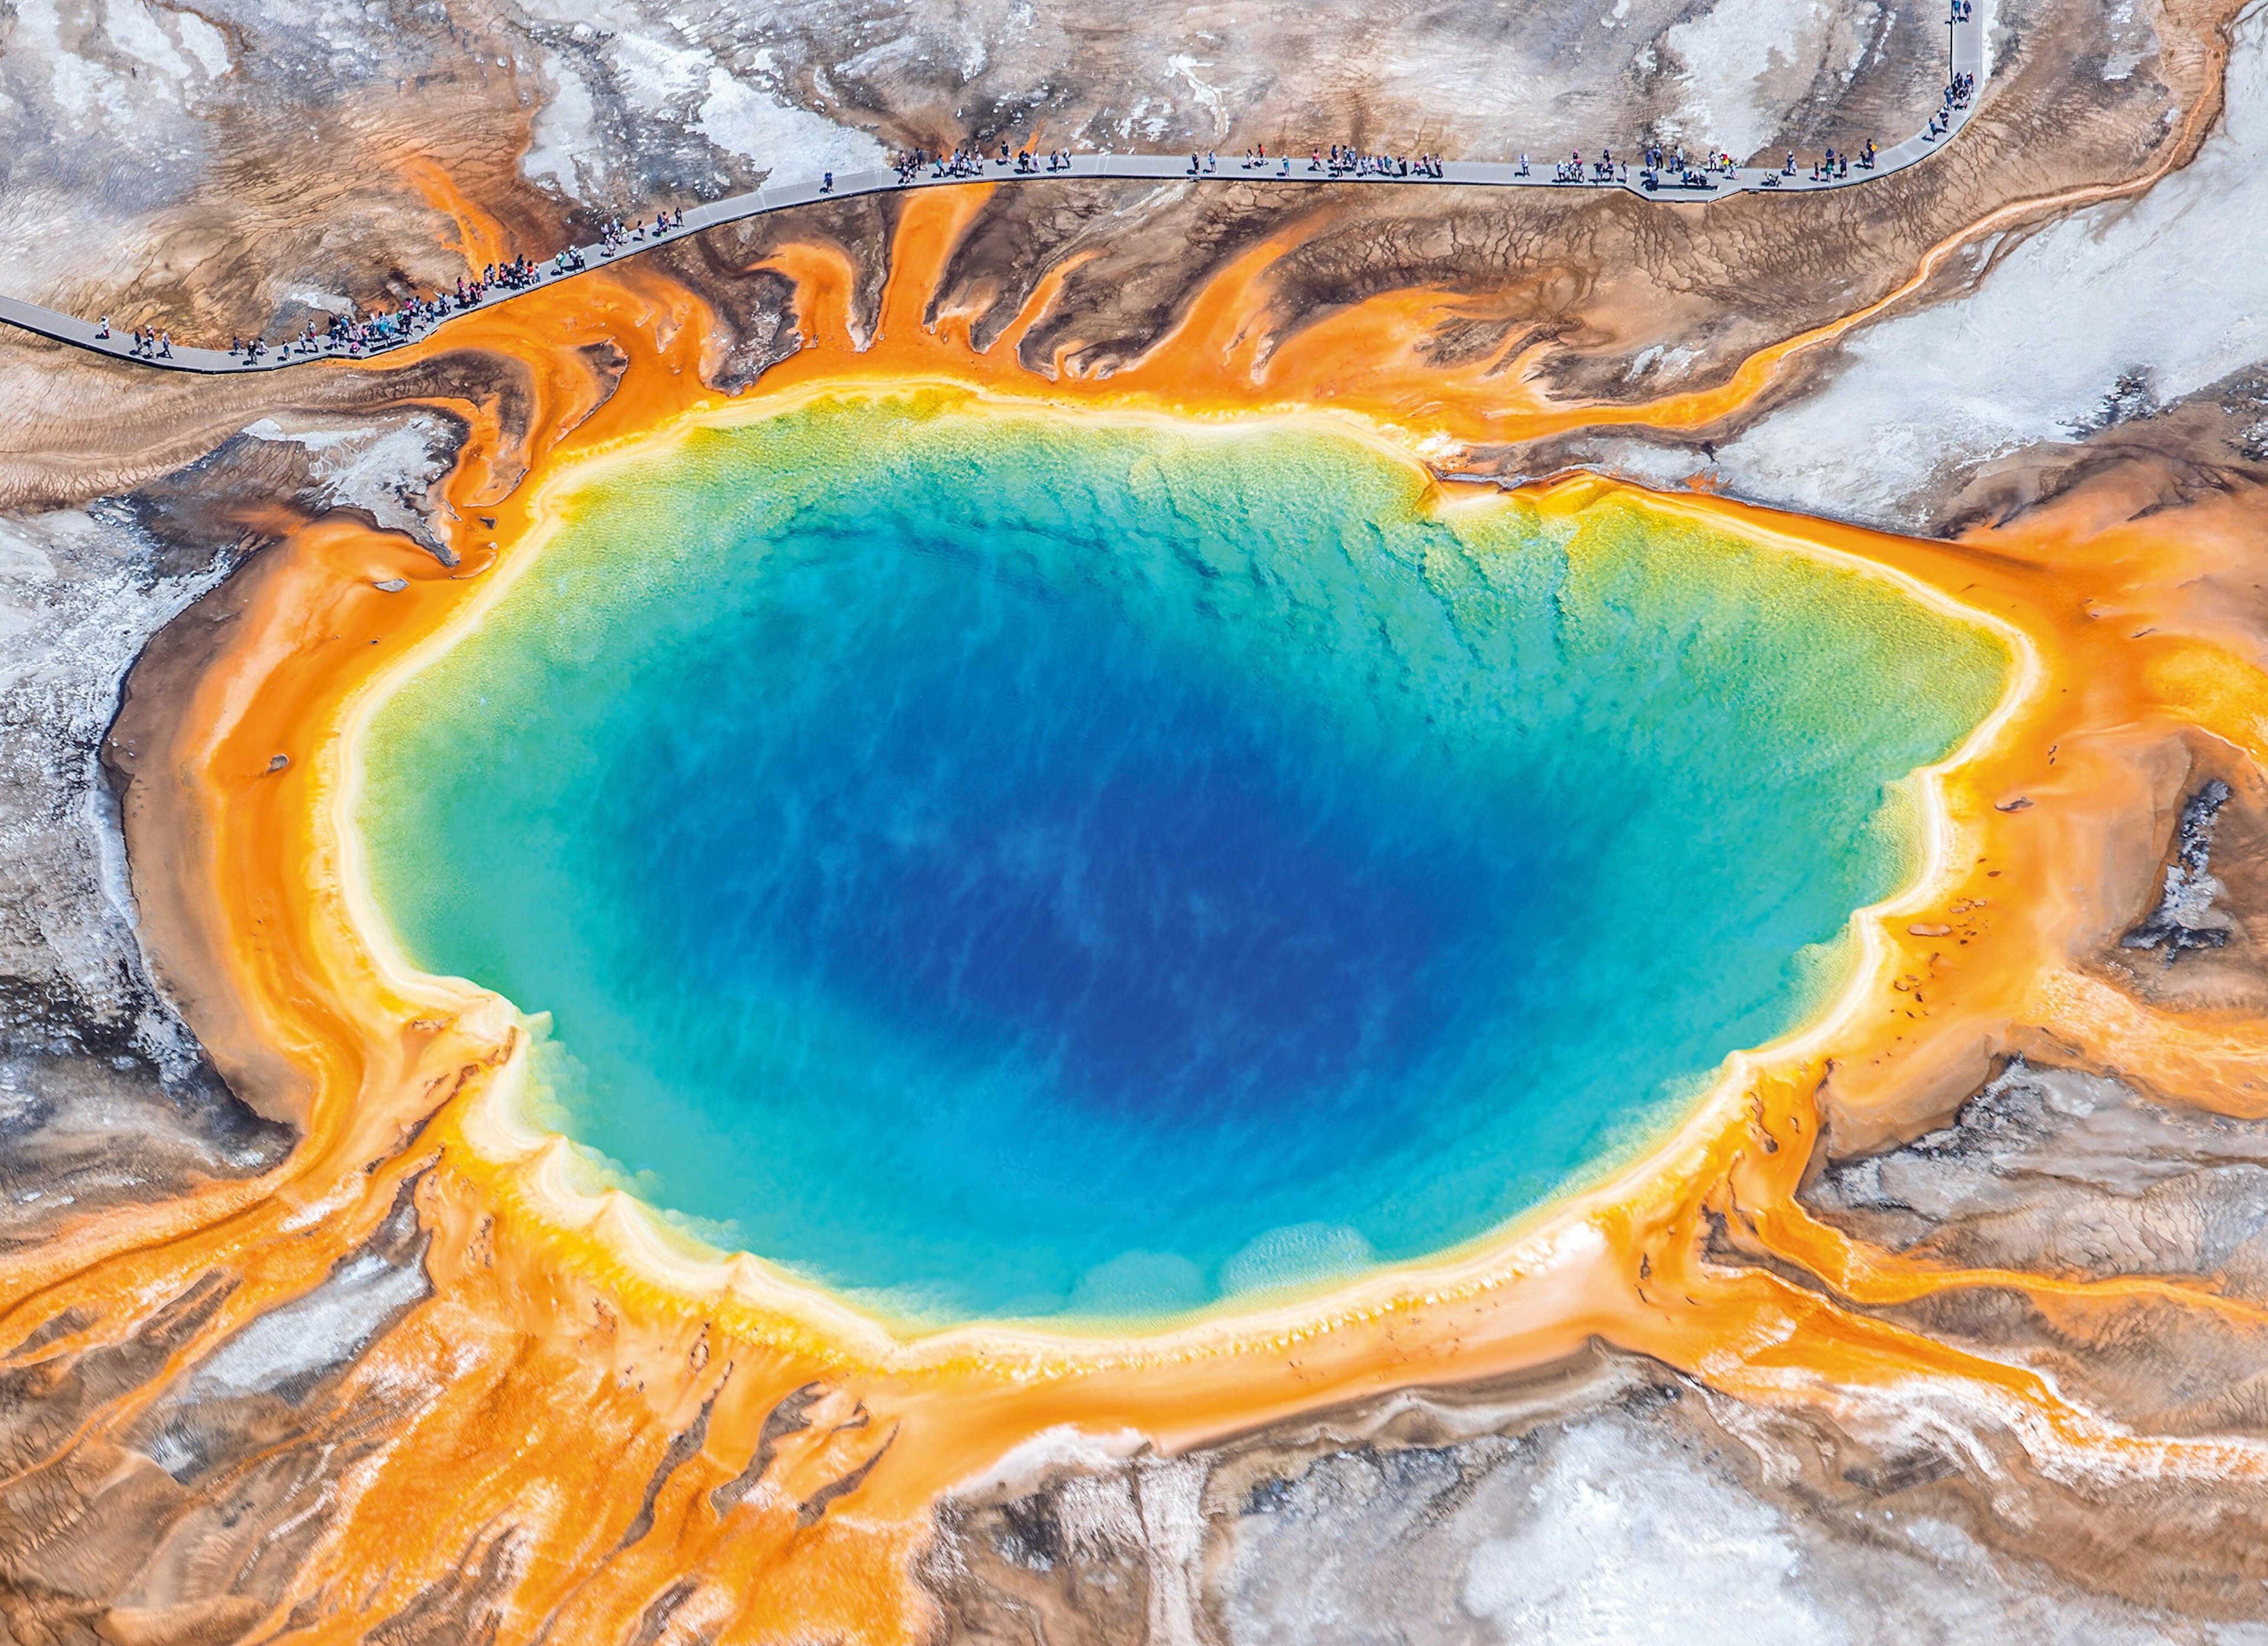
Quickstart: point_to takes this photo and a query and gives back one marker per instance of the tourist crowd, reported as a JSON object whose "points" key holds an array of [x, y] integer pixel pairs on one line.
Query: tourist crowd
{"points": [[358, 332]]}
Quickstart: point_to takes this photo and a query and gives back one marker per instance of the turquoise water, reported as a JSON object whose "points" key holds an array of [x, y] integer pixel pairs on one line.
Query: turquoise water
{"points": [[997, 865]]}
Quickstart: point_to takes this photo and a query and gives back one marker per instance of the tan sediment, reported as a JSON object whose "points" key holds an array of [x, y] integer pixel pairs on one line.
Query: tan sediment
{"points": [[570, 1334]]}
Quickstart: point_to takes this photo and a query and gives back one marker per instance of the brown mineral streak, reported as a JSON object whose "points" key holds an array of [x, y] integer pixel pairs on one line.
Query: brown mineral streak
{"points": [[577, 1410]]}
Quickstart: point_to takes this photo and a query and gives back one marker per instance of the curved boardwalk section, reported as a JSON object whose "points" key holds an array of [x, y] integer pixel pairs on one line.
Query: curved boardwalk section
{"points": [[1967, 70]]}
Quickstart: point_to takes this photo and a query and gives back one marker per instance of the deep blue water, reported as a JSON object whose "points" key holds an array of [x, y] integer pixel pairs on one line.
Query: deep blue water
{"points": [[996, 866]]}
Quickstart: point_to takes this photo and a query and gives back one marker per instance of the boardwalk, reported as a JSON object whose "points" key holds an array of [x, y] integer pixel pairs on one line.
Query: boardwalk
{"points": [[1966, 49]]}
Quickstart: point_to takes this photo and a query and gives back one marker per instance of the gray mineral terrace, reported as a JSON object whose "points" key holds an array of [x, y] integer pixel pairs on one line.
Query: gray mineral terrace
{"points": [[1658, 182]]}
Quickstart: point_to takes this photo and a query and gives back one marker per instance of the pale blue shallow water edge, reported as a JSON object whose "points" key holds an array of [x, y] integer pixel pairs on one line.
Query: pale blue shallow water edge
{"points": [[998, 865]]}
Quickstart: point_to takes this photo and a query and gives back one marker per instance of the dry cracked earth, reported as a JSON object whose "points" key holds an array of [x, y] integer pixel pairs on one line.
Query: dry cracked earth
{"points": [[245, 165]]}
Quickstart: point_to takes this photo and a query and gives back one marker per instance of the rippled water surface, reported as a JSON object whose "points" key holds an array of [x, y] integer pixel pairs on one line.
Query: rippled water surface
{"points": [[1000, 865]]}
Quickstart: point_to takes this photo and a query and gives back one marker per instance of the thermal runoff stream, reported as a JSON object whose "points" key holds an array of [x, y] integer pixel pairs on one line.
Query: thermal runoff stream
{"points": [[995, 864]]}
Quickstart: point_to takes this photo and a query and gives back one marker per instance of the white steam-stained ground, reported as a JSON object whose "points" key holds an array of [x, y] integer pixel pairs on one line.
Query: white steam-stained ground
{"points": [[670, 79], [1610, 1532], [1739, 55], [2162, 291]]}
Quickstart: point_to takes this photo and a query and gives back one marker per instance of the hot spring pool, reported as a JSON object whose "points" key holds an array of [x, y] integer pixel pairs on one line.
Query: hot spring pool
{"points": [[999, 864]]}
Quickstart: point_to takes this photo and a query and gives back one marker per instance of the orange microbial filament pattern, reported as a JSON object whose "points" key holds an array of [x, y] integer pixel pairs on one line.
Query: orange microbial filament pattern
{"points": [[606, 1413]]}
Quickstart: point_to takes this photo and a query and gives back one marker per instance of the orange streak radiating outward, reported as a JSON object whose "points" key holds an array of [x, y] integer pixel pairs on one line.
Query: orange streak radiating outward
{"points": [[536, 1394]]}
